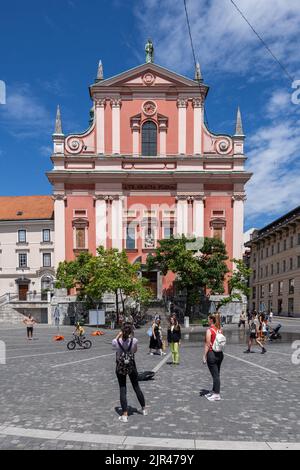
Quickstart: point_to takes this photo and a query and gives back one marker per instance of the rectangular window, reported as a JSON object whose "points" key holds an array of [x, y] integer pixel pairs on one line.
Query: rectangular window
{"points": [[278, 247], [291, 242], [218, 233], [284, 245], [279, 306], [46, 235], [22, 236], [284, 265], [271, 288], [22, 260], [272, 270], [267, 252], [280, 287], [267, 271], [291, 286], [277, 268], [168, 232], [130, 237], [262, 291], [298, 239], [80, 213], [261, 273], [149, 239], [46, 260], [253, 292], [291, 263], [254, 274], [272, 250], [290, 306], [80, 238]]}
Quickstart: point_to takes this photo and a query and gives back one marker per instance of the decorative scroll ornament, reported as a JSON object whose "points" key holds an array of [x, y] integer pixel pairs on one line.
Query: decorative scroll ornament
{"points": [[197, 102], [116, 102], [148, 79], [100, 102], [74, 145], [223, 145], [149, 108]]}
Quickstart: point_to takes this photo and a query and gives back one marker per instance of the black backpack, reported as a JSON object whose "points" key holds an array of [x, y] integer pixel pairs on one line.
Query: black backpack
{"points": [[125, 361]]}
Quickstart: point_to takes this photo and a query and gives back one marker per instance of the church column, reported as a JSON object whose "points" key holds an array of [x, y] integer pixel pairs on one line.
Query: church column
{"points": [[116, 107], [238, 224], [198, 119], [101, 220], [59, 229], [100, 107], [117, 222], [198, 216], [163, 127], [135, 127], [182, 215], [182, 105]]}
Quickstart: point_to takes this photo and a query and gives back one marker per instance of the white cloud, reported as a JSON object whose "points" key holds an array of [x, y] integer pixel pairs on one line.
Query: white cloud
{"points": [[24, 114], [223, 40], [46, 150]]}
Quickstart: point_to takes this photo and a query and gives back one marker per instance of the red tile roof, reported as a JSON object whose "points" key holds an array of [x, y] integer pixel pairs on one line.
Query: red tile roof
{"points": [[26, 207]]}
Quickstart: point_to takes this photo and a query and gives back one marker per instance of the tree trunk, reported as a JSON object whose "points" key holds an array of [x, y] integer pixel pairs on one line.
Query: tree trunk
{"points": [[117, 306]]}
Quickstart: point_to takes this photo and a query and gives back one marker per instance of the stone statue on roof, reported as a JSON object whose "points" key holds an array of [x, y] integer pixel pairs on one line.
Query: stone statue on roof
{"points": [[149, 49]]}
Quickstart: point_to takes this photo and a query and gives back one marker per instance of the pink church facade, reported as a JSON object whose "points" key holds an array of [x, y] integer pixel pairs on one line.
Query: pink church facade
{"points": [[147, 168]]}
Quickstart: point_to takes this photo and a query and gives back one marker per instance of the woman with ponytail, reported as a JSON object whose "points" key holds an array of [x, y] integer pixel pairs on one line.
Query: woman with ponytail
{"points": [[212, 358]]}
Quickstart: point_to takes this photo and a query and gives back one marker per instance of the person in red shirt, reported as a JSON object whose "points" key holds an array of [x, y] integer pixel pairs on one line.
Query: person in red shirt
{"points": [[211, 358]]}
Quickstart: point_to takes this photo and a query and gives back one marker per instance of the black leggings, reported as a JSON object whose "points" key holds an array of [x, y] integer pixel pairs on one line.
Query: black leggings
{"points": [[29, 330], [123, 391], [214, 361]]}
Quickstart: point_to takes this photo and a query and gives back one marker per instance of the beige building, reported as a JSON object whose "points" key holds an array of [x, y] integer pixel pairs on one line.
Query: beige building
{"points": [[26, 256], [275, 264]]}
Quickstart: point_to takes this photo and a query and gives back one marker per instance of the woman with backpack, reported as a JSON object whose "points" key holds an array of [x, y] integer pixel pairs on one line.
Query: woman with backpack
{"points": [[125, 346], [213, 354], [174, 337], [254, 331]]}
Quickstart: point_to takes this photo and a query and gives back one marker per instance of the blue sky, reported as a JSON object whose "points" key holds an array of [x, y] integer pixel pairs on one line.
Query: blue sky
{"points": [[49, 52]]}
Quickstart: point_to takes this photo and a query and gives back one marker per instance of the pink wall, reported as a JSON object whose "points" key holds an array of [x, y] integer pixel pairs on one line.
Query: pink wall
{"points": [[79, 202]]}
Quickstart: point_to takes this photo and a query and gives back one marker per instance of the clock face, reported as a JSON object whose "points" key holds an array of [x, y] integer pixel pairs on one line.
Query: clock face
{"points": [[149, 108]]}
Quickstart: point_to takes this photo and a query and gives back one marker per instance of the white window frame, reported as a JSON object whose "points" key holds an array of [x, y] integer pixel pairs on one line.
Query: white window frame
{"points": [[43, 264], [19, 260], [25, 231], [43, 232]]}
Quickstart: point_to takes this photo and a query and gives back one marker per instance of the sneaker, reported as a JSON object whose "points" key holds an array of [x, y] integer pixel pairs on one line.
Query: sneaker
{"points": [[247, 351], [209, 394], [163, 353], [213, 397], [144, 412], [151, 354], [263, 351], [123, 418]]}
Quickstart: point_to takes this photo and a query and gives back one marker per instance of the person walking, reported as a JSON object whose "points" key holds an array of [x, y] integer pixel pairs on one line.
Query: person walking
{"points": [[212, 358], [254, 334], [270, 316], [125, 346], [174, 337], [29, 322]]}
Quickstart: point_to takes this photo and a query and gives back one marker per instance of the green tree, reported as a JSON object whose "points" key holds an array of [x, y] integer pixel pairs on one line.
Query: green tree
{"points": [[238, 282], [109, 271], [195, 269]]}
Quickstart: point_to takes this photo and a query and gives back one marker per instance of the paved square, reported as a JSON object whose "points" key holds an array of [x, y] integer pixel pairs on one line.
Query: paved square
{"points": [[52, 398]]}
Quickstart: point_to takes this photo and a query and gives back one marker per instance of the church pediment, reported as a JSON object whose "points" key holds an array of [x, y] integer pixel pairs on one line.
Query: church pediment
{"points": [[148, 75]]}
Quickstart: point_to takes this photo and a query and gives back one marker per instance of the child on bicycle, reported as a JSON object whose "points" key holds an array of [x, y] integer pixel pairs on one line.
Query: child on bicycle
{"points": [[79, 330]]}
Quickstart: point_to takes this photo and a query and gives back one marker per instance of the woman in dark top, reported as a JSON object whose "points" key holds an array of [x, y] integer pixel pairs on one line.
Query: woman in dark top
{"points": [[174, 337], [156, 338]]}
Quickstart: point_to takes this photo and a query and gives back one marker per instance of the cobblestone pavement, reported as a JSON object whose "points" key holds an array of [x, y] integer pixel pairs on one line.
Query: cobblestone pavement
{"points": [[45, 387]]}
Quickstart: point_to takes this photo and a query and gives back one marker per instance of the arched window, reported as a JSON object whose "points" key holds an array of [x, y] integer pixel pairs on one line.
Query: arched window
{"points": [[149, 139]]}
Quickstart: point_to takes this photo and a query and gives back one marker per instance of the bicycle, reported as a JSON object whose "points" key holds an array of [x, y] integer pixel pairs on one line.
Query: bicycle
{"points": [[81, 341]]}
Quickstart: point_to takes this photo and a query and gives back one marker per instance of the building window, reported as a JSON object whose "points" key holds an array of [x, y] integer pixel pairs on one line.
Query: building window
{"points": [[284, 245], [272, 250], [271, 288], [290, 306], [272, 270], [291, 263], [278, 247], [149, 139], [298, 263], [280, 287], [261, 273], [130, 237], [46, 260], [277, 268], [267, 252], [270, 305], [279, 306], [291, 242], [254, 293], [262, 291], [254, 274], [218, 232], [22, 236], [291, 286], [80, 238], [267, 271], [284, 266], [46, 235], [168, 232], [22, 260]]}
